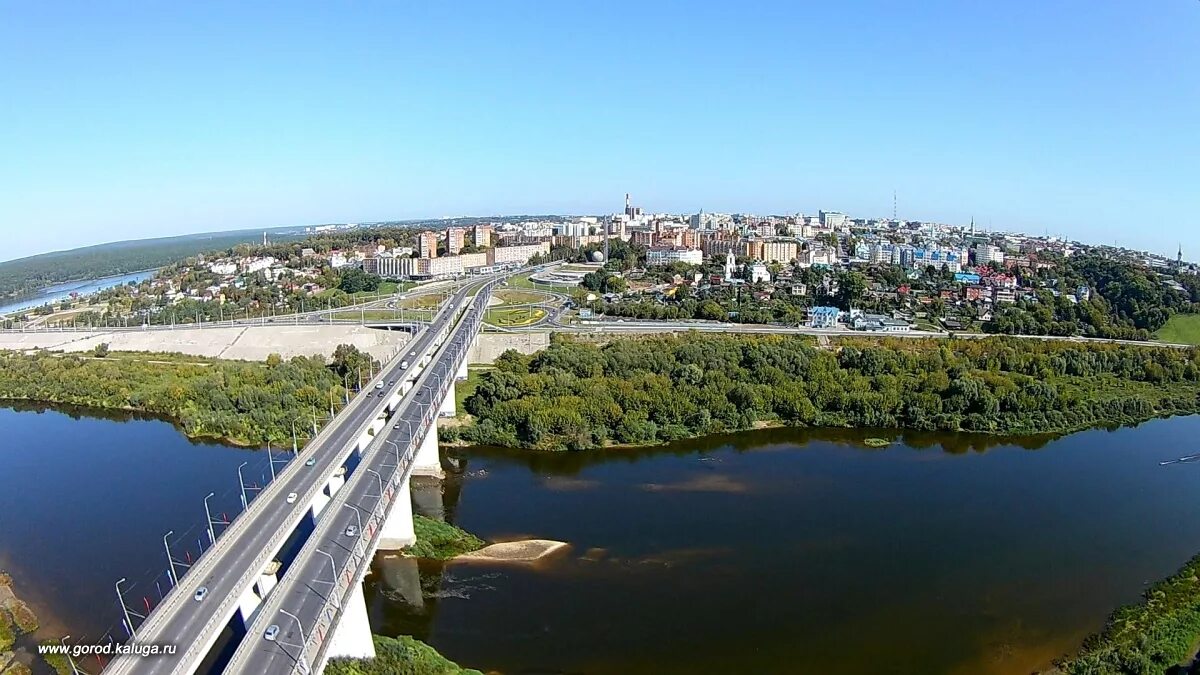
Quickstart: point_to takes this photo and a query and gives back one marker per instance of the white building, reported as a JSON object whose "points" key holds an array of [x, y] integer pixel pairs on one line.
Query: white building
{"points": [[673, 254], [758, 272], [518, 254], [987, 253]]}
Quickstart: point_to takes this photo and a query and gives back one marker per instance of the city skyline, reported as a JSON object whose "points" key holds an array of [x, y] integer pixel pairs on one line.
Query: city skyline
{"points": [[1071, 120]]}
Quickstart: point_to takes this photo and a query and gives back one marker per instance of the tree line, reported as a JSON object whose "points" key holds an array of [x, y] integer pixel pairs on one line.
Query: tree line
{"points": [[243, 402], [575, 396]]}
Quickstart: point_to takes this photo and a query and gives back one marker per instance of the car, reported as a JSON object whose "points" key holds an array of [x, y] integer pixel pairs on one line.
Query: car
{"points": [[351, 530], [391, 383], [412, 353], [404, 364], [200, 593], [270, 633], [396, 425], [291, 498], [379, 385], [310, 462]]}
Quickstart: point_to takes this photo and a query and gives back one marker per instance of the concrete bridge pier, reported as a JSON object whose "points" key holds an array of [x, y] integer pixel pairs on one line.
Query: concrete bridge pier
{"points": [[352, 636], [428, 462], [449, 407], [397, 531], [402, 574], [462, 369], [427, 497], [252, 598]]}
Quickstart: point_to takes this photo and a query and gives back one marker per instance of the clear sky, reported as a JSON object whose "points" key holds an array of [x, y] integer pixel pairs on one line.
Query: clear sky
{"points": [[134, 119]]}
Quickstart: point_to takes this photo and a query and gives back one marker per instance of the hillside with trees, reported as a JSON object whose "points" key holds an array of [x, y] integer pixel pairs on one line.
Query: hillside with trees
{"points": [[1127, 301], [576, 396], [26, 275]]}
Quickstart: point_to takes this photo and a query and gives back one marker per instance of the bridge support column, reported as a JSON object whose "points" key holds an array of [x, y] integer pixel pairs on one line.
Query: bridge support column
{"points": [[462, 368], [352, 637], [318, 505], [248, 606], [428, 462], [427, 497], [402, 574], [268, 579], [449, 405], [397, 530], [336, 481]]}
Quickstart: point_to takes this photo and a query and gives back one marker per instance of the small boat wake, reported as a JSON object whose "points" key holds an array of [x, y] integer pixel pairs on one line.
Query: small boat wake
{"points": [[1181, 460]]}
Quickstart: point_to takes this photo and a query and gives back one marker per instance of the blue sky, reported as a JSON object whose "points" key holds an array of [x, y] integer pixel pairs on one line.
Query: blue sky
{"points": [[136, 119]]}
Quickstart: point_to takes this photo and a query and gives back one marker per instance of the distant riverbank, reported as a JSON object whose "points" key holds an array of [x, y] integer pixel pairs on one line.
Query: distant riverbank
{"points": [[63, 290], [578, 396]]}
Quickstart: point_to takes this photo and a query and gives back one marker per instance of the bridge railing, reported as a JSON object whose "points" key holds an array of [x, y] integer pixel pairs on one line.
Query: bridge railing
{"points": [[237, 524], [317, 642]]}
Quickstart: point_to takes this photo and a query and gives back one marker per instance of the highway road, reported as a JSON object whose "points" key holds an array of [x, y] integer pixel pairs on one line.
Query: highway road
{"points": [[319, 315], [258, 532], [329, 552], [637, 326]]}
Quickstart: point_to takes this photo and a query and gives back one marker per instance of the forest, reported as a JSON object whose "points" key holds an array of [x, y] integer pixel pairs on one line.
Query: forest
{"points": [[248, 403], [1127, 302], [26, 275], [575, 395]]}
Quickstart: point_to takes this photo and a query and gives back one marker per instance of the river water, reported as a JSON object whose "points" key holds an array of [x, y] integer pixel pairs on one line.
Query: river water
{"points": [[57, 292], [780, 551]]}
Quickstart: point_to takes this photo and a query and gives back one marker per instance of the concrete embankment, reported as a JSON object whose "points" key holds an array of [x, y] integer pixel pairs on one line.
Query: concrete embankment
{"points": [[249, 343]]}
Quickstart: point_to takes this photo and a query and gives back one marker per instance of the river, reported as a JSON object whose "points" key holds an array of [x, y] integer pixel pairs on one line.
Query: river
{"points": [[780, 551], [58, 292]]}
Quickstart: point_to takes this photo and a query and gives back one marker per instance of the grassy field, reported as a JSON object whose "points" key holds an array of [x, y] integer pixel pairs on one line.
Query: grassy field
{"points": [[510, 318], [383, 315], [420, 301], [1181, 329], [467, 387], [522, 281], [513, 297]]}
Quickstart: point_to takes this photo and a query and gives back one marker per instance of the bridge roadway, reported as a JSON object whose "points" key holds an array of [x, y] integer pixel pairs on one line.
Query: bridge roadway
{"points": [[231, 567], [305, 591]]}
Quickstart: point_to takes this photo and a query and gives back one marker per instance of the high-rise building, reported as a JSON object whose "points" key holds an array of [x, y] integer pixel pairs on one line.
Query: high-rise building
{"points": [[779, 251], [456, 238], [427, 245], [832, 219], [481, 235], [987, 253]]}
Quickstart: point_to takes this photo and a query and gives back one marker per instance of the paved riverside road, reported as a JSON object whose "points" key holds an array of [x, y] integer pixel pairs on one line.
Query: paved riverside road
{"points": [[306, 586], [230, 567]]}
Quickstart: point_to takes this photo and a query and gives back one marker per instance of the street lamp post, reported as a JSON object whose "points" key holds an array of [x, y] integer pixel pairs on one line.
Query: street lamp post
{"points": [[379, 479], [332, 574], [242, 485], [63, 641], [303, 640], [124, 609], [212, 538], [170, 559]]}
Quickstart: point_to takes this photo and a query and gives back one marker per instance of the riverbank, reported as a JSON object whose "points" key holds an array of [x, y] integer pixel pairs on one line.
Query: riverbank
{"points": [[579, 396], [401, 655], [437, 540], [17, 625], [249, 404], [1151, 636]]}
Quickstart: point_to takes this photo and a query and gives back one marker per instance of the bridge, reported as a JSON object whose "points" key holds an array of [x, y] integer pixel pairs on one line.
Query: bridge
{"points": [[353, 489]]}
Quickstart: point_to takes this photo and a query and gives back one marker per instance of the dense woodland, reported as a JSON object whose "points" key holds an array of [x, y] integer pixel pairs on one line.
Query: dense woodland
{"points": [[244, 402], [26, 275], [575, 396], [1127, 302]]}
